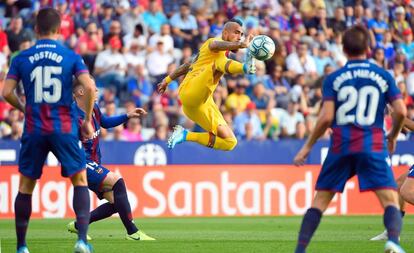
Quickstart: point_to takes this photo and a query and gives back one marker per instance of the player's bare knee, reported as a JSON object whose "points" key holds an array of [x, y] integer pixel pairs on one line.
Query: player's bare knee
{"points": [[26, 185], [79, 179]]}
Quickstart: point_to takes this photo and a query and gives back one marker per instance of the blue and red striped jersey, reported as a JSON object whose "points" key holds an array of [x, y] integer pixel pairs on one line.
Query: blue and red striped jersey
{"points": [[46, 71], [361, 90], [91, 146]]}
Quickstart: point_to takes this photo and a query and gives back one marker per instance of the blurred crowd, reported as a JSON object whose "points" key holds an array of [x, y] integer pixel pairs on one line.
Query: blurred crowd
{"points": [[130, 46]]}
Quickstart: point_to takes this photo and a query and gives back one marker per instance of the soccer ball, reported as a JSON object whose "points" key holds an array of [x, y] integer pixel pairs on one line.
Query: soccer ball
{"points": [[262, 47]]}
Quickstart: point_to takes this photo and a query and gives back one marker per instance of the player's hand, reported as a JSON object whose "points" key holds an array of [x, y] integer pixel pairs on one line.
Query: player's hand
{"points": [[246, 41], [87, 130], [301, 156], [136, 113], [162, 86], [391, 144]]}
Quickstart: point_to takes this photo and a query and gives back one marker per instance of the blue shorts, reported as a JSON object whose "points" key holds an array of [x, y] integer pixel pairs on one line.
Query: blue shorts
{"points": [[96, 175], [411, 172], [36, 147], [373, 172]]}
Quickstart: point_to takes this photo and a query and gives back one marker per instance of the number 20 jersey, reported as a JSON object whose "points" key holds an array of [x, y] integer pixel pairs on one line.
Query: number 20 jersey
{"points": [[360, 91], [46, 71]]}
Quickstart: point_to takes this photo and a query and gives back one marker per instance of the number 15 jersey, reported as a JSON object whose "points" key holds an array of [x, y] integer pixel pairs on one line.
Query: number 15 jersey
{"points": [[361, 91], [46, 71]]}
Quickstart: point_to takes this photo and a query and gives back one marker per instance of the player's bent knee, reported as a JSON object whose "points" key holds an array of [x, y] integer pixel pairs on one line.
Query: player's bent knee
{"points": [[79, 179], [231, 143]]}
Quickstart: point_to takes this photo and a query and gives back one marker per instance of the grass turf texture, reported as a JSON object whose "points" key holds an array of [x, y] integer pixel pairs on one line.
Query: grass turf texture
{"points": [[247, 234]]}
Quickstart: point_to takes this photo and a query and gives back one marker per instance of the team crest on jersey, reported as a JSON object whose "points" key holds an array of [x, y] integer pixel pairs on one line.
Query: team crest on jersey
{"points": [[99, 170]]}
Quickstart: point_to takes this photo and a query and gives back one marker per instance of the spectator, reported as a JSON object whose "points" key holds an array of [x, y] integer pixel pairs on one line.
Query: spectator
{"points": [[399, 25], [378, 26], [157, 62], [137, 36], [154, 18], [387, 45], [337, 23], [322, 58], [165, 36], [237, 101], [16, 33], [378, 57], [110, 66], [247, 124], [246, 16], [217, 24], [332, 6], [161, 133], [4, 45], [184, 27], [301, 62], [83, 18], [208, 7], [293, 122], [262, 99], [16, 131], [89, 45], [114, 31], [230, 9], [107, 16], [407, 46], [308, 8], [132, 132], [131, 18], [67, 26], [139, 87], [135, 56]]}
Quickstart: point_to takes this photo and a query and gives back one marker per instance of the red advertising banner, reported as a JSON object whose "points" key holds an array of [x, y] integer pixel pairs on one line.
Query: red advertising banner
{"points": [[197, 190]]}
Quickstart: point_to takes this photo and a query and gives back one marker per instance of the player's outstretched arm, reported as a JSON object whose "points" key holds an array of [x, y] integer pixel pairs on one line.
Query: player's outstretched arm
{"points": [[399, 113], [181, 70], [109, 122], [324, 121], [220, 45], [9, 94], [408, 123]]}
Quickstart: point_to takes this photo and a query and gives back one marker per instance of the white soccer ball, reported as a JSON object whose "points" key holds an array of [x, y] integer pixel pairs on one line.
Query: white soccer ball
{"points": [[262, 47]]}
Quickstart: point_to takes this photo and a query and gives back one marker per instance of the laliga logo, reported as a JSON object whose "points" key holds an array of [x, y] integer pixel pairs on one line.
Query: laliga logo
{"points": [[150, 154]]}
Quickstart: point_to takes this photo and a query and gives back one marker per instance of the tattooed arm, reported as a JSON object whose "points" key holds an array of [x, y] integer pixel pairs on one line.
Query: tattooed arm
{"points": [[221, 45], [181, 70]]}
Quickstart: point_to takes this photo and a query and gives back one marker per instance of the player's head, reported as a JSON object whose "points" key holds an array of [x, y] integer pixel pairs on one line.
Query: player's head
{"points": [[79, 91], [232, 30], [356, 41], [48, 22]]}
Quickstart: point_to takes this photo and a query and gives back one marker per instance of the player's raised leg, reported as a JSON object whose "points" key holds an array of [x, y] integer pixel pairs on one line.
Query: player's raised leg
{"points": [[312, 218]]}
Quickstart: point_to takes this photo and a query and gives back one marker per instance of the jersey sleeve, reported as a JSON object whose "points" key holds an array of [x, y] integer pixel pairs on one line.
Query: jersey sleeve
{"points": [[393, 91], [328, 92], [80, 66], [14, 72]]}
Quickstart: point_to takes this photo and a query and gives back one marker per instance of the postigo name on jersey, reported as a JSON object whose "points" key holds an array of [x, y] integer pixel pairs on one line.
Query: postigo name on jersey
{"points": [[46, 55]]}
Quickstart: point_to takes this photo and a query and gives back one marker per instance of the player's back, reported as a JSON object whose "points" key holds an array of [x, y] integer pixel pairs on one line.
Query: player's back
{"points": [[361, 91], [46, 71]]}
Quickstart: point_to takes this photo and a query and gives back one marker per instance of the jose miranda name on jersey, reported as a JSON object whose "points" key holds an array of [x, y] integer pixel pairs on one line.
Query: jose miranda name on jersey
{"points": [[360, 73]]}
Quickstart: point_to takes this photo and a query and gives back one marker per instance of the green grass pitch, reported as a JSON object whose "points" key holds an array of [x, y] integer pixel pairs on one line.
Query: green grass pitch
{"points": [[246, 234]]}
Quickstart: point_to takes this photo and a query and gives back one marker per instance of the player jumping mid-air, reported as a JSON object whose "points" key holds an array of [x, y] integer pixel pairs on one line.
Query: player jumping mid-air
{"points": [[106, 184], [46, 71], [201, 79], [354, 101]]}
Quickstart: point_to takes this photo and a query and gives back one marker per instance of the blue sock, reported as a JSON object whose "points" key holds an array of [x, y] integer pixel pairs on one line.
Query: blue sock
{"points": [[101, 212], [310, 222], [122, 206], [393, 223], [23, 210], [81, 205]]}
